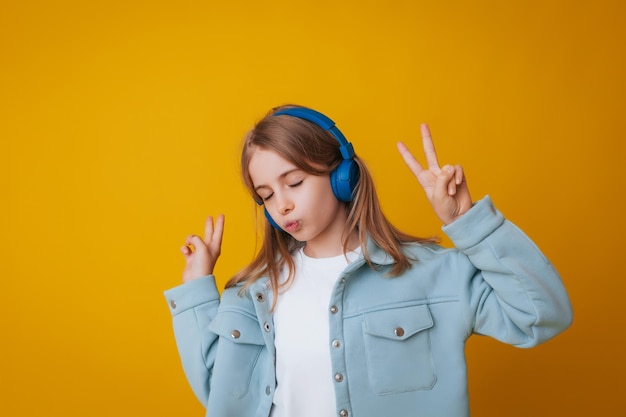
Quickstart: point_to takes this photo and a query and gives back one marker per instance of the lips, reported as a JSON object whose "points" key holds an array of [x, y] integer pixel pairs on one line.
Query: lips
{"points": [[292, 226]]}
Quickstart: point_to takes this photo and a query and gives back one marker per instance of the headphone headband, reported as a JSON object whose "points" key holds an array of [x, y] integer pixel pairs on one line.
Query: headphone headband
{"points": [[345, 147]]}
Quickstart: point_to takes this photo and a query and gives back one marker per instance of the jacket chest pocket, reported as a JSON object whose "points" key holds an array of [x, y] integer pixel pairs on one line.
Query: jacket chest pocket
{"points": [[238, 352], [398, 352]]}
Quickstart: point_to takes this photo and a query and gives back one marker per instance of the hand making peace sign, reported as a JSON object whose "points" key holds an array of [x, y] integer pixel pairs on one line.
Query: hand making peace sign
{"points": [[201, 254], [445, 187]]}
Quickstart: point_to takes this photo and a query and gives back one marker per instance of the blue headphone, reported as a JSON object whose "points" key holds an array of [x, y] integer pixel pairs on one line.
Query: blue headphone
{"points": [[345, 177]]}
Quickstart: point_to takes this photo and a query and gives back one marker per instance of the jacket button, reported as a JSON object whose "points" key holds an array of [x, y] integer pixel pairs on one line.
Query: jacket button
{"points": [[235, 334], [173, 303], [266, 327], [343, 413], [338, 377], [260, 297], [334, 309], [399, 331], [268, 390], [336, 344]]}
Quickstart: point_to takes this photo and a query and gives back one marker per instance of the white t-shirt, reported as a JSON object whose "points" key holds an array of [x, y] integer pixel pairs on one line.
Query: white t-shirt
{"points": [[303, 370]]}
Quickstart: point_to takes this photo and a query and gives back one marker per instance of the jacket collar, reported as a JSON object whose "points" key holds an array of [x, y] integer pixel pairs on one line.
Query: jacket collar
{"points": [[377, 257]]}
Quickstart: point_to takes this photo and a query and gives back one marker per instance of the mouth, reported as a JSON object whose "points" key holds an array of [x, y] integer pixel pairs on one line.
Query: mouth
{"points": [[292, 226]]}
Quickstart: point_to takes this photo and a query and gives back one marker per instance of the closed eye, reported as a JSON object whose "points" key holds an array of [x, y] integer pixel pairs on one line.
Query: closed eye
{"points": [[293, 185]]}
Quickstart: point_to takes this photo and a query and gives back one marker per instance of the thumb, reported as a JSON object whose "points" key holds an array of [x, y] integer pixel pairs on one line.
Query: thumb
{"points": [[195, 241], [444, 185]]}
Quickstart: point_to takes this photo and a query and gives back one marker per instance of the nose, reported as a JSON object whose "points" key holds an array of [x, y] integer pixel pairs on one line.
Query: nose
{"points": [[284, 205]]}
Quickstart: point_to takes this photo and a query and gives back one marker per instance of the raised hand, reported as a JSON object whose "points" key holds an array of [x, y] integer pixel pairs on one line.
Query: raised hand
{"points": [[445, 187], [201, 254]]}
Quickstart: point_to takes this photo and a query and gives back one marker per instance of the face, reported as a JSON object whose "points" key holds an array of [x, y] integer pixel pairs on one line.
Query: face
{"points": [[302, 204]]}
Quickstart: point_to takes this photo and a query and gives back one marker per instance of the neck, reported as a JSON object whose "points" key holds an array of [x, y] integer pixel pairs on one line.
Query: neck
{"points": [[334, 247]]}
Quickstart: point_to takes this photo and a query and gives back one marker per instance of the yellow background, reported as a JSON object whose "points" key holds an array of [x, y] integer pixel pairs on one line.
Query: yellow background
{"points": [[120, 125]]}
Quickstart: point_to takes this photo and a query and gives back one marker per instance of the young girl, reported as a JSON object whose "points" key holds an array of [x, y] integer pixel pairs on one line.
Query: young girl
{"points": [[340, 313]]}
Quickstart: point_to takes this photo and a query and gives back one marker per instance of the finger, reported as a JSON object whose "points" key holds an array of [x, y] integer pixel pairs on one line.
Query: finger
{"points": [[218, 232], [208, 230], [429, 147], [459, 175], [409, 159], [189, 240], [451, 188], [195, 241], [454, 179], [446, 180], [185, 250]]}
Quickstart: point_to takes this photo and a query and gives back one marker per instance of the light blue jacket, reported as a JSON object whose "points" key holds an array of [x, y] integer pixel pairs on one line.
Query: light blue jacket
{"points": [[397, 343]]}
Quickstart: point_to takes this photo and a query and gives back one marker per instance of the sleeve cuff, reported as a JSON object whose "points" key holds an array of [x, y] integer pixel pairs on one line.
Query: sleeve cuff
{"points": [[192, 294], [475, 225]]}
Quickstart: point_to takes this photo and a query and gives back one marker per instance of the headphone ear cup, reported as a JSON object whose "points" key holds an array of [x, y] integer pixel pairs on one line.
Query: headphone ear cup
{"points": [[269, 219], [344, 179]]}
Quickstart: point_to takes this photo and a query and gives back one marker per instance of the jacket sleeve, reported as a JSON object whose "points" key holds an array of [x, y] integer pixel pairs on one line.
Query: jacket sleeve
{"points": [[193, 306], [514, 294]]}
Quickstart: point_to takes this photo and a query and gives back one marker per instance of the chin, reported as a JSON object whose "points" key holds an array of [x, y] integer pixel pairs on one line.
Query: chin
{"points": [[300, 236]]}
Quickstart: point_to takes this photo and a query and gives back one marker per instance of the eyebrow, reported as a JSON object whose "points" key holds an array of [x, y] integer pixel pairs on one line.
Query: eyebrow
{"points": [[283, 175]]}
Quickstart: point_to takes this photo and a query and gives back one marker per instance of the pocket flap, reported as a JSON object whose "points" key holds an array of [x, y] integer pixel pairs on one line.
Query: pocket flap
{"points": [[398, 323], [237, 327]]}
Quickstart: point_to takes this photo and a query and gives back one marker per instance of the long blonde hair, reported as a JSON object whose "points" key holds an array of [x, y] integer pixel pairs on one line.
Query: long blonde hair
{"points": [[308, 147]]}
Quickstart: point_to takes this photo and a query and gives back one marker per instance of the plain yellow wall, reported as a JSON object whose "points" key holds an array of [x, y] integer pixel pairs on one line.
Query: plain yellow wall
{"points": [[120, 124]]}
